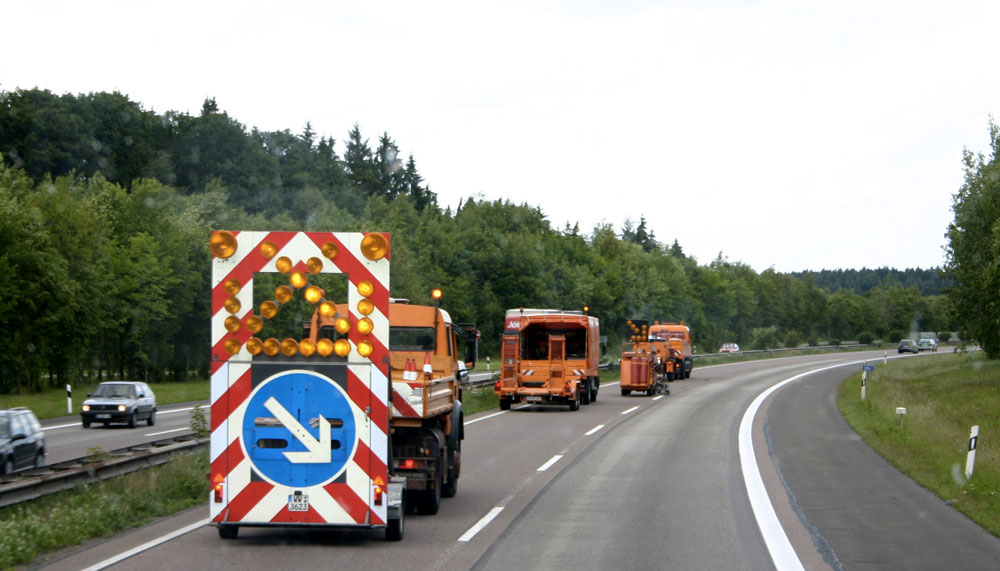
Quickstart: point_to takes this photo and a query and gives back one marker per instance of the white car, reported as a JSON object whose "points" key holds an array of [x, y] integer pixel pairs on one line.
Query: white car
{"points": [[927, 345]]}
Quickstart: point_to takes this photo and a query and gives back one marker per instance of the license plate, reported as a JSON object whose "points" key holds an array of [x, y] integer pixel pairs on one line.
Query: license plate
{"points": [[104, 416], [533, 399], [298, 503]]}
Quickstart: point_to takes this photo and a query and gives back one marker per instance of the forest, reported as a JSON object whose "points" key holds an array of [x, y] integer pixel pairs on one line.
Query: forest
{"points": [[106, 211]]}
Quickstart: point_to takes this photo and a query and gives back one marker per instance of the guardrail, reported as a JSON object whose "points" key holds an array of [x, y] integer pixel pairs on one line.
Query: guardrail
{"points": [[38, 482]]}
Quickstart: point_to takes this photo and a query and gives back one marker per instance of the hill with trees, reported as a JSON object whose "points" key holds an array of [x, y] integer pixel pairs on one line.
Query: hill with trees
{"points": [[106, 210]]}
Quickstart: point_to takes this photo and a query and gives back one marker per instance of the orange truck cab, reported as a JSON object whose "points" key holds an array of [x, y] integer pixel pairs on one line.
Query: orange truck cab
{"points": [[426, 370], [550, 357], [677, 337]]}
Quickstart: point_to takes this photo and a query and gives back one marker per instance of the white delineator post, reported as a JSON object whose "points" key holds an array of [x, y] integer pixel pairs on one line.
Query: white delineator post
{"points": [[970, 459], [69, 399]]}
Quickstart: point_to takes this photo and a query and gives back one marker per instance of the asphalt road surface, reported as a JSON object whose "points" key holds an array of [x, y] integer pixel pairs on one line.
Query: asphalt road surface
{"points": [[633, 482]]}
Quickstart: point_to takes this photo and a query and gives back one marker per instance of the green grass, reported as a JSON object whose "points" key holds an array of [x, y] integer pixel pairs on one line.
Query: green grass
{"points": [[51, 403], [102, 509], [944, 395]]}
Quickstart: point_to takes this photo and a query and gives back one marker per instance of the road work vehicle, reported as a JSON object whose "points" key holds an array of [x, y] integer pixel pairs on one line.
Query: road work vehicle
{"points": [[678, 337], [550, 357], [646, 364], [326, 430]]}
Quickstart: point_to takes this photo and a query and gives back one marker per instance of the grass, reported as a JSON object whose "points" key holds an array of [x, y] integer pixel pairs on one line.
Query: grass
{"points": [[51, 403], [944, 396], [101, 509]]}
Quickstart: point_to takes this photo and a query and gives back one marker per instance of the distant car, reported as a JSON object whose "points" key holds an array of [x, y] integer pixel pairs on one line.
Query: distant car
{"points": [[22, 442], [729, 348], [120, 402], [907, 346], [927, 345]]}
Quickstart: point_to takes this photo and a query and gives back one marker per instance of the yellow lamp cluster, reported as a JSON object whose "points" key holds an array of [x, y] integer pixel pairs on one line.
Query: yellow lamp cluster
{"points": [[224, 245], [639, 333]]}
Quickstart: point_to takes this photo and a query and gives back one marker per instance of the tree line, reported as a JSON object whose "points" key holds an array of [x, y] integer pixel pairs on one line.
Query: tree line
{"points": [[106, 210]]}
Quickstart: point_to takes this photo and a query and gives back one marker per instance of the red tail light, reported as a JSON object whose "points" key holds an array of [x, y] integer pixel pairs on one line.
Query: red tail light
{"points": [[408, 464], [496, 386], [218, 493], [378, 495]]}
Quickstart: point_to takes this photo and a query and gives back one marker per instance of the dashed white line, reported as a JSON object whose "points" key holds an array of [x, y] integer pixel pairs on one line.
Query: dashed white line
{"points": [[482, 523], [634, 408], [166, 431], [593, 430], [657, 397], [549, 464]]}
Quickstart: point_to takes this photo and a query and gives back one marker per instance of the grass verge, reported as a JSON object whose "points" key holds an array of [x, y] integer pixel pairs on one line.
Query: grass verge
{"points": [[944, 396], [101, 509], [51, 403]]}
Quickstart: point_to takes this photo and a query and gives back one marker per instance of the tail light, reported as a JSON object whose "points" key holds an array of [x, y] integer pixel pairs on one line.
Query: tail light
{"points": [[378, 495], [496, 386], [218, 493]]}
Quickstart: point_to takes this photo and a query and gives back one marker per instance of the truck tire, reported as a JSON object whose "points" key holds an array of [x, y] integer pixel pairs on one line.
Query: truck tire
{"points": [[429, 501], [585, 391], [228, 531], [597, 387], [394, 527], [626, 392], [504, 404], [651, 391], [574, 404]]}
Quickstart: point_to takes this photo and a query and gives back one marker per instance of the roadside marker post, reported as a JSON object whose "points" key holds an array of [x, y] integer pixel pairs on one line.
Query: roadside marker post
{"points": [[69, 399], [901, 411], [865, 369], [970, 459]]}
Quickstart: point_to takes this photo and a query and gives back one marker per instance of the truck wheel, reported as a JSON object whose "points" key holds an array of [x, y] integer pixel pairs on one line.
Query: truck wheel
{"points": [[651, 390], [430, 500], [584, 391], [394, 528], [626, 392], [575, 403], [597, 386], [504, 404], [228, 531]]}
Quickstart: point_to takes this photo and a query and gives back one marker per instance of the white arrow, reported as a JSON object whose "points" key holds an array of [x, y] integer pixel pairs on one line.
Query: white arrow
{"points": [[319, 450]]}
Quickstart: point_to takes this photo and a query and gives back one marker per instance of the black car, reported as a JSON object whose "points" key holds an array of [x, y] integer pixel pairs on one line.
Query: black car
{"points": [[907, 346], [22, 442], [120, 402]]}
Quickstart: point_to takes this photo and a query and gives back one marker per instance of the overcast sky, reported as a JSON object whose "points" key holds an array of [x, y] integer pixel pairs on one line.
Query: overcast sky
{"points": [[787, 134]]}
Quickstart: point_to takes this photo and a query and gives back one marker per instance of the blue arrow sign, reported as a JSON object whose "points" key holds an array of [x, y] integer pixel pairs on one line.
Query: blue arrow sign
{"points": [[299, 429], [868, 368]]}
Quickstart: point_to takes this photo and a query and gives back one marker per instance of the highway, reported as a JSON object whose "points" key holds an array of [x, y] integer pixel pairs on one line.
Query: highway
{"points": [[633, 482]]}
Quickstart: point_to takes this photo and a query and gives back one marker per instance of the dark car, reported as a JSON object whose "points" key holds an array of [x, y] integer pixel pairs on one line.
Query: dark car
{"points": [[120, 402], [907, 346], [22, 442]]}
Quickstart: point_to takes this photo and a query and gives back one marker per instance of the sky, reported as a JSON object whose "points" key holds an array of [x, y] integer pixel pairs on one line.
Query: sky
{"points": [[793, 135]]}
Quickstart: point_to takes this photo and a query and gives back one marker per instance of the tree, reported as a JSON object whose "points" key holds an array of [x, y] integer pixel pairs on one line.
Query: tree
{"points": [[973, 249]]}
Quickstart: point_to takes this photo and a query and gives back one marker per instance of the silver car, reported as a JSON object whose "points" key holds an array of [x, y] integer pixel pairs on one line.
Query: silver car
{"points": [[120, 402]]}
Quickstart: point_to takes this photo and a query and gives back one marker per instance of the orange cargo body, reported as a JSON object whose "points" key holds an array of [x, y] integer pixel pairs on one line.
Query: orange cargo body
{"points": [[550, 357], [676, 337]]}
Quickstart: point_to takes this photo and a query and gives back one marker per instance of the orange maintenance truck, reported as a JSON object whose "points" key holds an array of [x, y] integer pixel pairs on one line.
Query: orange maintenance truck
{"points": [[550, 357], [646, 364], [426, 371], [678, 337]]}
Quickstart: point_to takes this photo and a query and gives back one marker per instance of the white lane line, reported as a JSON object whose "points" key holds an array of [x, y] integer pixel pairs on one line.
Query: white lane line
{"points": [[482, 523], [468, 422], [634, 408], [166, 432], [146, 546], [593, 430], [657, 397], [781, 550], [549, 464], [158, 413]]}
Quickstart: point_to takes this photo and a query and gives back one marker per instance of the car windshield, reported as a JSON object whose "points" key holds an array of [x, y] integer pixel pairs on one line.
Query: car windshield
{"points": [[115, 391]]}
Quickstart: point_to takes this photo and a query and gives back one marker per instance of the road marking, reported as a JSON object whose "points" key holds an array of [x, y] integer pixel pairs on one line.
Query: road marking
{"points": [[778, 545], [634, 408], [593, 430], [657, 397], [146, 546], [77, 424], [166, 432], [549, 464], [482, 523]]}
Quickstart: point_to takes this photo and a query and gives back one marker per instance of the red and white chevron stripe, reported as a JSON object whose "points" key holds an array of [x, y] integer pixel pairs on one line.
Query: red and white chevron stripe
{"points": [[249, 499]]}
